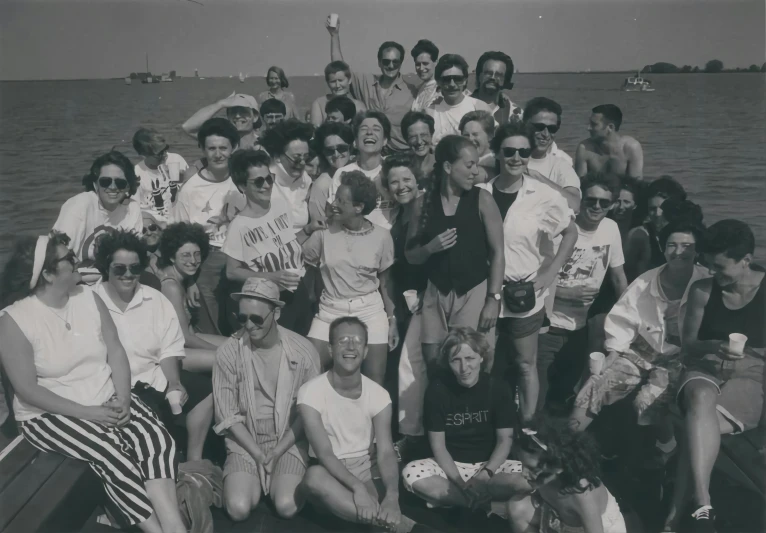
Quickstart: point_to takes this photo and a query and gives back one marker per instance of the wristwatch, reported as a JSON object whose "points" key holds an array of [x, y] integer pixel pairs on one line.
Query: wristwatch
{"points": [[490, 472], [495, 296]]}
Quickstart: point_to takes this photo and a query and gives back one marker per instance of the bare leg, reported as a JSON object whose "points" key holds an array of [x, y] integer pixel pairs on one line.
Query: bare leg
{"points": [[162, 494], [323, 347], [198, 359], [440, 491], [374, 365], [198, 423], [680, 488], [324, 490], [241, 494], [529, 384], [286, 494]]}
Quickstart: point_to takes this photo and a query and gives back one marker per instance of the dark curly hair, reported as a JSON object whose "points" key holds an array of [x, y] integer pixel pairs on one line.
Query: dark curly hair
{"points": [[448, 61], [326, 130], [117, 159], [397, 160], [17, 272], [496, 56], [277, 138], [112, 242], [413, 117], [363, 190], [731, 237], [377, 115], [178, 234], [424, 46], [344, 104], [541, 103], [241, 161], [609, 182], [219, 127], [573, 452]]}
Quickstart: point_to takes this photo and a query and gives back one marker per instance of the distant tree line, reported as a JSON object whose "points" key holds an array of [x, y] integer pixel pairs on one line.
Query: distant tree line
{"points": [[714, 66]]}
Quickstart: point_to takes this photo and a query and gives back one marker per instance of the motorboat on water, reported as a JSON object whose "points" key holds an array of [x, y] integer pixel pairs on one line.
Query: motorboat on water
{"points": [[637, 84], [166, 78]]}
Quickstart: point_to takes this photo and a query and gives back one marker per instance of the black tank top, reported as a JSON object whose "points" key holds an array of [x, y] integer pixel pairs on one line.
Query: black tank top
{"points": [[718, 321], [465, 265]]}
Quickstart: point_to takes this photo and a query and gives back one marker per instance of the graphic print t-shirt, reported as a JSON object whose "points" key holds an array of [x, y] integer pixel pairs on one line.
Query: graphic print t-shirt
{"points": [[579, 280], [469, 416], [265, 244], [155, 194]]}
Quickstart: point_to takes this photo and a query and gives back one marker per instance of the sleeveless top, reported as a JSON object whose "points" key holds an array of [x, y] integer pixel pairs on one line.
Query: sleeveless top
{"points": [[70, 362], [718, 321], [465, 265]]}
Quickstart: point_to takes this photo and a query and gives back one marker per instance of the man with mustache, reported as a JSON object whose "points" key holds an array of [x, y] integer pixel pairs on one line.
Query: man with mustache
{"points": [[494, 71]]}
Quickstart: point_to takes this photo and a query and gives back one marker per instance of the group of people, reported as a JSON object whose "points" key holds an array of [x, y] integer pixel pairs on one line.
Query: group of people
{"points": [[263, 290]]}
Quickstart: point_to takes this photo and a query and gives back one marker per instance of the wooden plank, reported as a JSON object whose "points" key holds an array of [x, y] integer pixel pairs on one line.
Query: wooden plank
{"points": [[24, 486], [741, 454], [15, 461]]}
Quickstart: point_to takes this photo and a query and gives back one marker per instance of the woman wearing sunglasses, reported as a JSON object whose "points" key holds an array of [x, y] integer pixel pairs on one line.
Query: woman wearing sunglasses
{"points": [[262, 240], [71, 382], [151, 334], [533, 215], [106, 203], [333, 142]]}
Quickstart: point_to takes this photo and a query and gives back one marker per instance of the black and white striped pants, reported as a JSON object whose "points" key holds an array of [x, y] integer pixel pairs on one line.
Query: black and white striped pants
{"points": [[123, 457]]}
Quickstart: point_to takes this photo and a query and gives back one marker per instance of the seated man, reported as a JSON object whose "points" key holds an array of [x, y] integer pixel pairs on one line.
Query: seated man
{"points": [[607, 150], [273, 112], [255, 380], [347, 416], [722, 390], [341, 109]]}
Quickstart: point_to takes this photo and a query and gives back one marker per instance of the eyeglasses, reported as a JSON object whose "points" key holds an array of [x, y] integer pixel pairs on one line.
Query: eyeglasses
{"points": [[391, 62], [603, 203], [510, 152], [188, 256], [70, 257], [341, 149], [150, 228], [260, 180], [120, 183], [457, 80], [121, 270], [552, 128], [255, 319], [350, 340], [298, 159]]}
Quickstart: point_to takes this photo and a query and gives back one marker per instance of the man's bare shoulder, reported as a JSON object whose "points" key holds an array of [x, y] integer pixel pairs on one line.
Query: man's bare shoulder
{"points": [[587, 144], [629, 143]]}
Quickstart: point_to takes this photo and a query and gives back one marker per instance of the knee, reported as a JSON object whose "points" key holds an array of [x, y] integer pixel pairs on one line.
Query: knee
{"points": [[238, 507], [696, 395], [313, 480], [527, 366], [285, 506]]}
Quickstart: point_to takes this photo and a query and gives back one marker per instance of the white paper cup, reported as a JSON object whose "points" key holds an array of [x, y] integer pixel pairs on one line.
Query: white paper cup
{"points": [[332, 20], [411, 297], [174, 399], [175, 171], [596, 363], [737, 342]]}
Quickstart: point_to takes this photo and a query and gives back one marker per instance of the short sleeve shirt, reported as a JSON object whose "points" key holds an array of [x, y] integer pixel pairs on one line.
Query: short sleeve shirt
{"points": [[556, 169], [395, 104], [447, 118], [155, 194]]}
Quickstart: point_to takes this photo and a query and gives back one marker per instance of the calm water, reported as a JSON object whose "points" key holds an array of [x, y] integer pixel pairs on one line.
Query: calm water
{"points": [[707, 131]]}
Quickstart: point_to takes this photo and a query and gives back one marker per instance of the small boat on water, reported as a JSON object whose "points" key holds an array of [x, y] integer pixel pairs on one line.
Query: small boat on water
{"points": [[242, 78], [128, 81], [637, 84], [166, 78]]}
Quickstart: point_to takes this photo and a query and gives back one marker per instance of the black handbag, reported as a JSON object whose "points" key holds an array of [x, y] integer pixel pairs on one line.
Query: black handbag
{"points": [[519, 296]]}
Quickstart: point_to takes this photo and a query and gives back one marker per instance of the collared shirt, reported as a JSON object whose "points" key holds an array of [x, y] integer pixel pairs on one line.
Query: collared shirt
{"points": [[638, 324], [427, 93], [395, 104], [149, 331], [503, 109], [538, 211]]}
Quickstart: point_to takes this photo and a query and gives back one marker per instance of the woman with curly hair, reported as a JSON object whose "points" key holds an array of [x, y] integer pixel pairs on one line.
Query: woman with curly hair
{"points": [[560, 490], [106, 203], [333, 143], [71, 382], [183, 249], [151, 335], [354, 256]]}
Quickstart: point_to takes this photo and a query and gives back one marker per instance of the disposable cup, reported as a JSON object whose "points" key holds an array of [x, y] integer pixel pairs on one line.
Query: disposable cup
{"points": [[174, 399], [411, 297], [596, 363], [333, 20], [737, 342], [175, 171]]}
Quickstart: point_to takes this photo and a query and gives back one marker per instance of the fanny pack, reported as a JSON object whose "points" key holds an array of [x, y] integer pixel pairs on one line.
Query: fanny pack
{"points": [[519, 296]]}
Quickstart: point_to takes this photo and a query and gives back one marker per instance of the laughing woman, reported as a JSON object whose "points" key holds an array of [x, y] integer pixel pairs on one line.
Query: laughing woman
{"points": [[71, 381]]}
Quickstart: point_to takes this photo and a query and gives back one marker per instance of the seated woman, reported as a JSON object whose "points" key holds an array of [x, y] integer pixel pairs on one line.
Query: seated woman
{"points": [[71, 382], [354, 256], [183, 249], [643, 338], [479, 128], [560, 490], [333, 143], [151, 335], [470, 418], [106, 203]]}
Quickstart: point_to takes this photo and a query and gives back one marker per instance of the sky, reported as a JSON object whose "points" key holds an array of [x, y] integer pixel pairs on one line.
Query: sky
{"points": [[69, 39]]}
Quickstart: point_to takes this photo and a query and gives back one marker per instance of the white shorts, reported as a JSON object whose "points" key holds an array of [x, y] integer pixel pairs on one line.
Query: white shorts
{"points": [[423, 468], [368, 308]]}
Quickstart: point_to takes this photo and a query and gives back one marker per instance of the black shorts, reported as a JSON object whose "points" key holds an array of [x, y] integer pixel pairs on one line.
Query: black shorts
{"points": [[198, 386]]}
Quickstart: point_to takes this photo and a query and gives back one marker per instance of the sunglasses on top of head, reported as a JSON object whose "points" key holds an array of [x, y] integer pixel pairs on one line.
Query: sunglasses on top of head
{"points": [[120, 270], [261, 180], [510, 152], [120, 183], [603, 203], [552, 128]]}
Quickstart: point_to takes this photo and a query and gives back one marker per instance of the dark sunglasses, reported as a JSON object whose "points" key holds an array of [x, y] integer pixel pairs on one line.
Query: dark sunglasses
{"points": [[603, 203], [391, 62], [510, 152], [121, 270], [298, 159], [71, 258], [150, 228], [260, 180], [120, 183], [552, 128], [329, 151], [255, 319], [446, 80]]}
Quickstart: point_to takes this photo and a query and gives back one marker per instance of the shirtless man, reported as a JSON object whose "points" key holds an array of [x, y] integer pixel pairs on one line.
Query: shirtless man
{"points": [[607, 150]]}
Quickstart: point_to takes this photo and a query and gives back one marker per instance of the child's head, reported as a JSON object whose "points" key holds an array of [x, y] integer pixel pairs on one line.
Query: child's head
{"points": [[547, 447]]}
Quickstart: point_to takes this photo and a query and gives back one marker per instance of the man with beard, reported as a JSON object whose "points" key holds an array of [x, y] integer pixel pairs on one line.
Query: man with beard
{"points": [[493, 74], [607, 150], [386, 92]]}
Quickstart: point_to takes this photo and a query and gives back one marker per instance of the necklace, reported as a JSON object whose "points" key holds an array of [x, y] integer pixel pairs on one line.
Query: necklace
{"points": [[349, 234], [64, 320]]}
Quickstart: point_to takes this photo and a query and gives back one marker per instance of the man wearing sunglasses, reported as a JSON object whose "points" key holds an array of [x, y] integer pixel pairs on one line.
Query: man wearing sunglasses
{"points": [[387, 92], [494, 71], [255, 383], [607, 150]]}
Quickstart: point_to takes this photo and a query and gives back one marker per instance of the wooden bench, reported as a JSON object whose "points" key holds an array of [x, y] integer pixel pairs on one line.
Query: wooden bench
{"points": [[740, 460]]}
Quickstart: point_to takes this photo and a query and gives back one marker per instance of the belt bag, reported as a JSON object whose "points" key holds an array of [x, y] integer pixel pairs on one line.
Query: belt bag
{"points": [[519, 296]]}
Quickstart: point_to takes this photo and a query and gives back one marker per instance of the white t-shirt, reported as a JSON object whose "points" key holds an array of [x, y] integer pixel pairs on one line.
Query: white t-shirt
{"points": [[447, 118], [348, 422], [154, 192], [295, 192], [580, 279], [386, 209], [267, 243], [556, 169], [149, 331], [558, 152], [211, 204]]}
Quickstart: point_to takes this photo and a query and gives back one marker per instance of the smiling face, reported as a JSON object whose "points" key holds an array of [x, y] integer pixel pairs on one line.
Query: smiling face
{"points": [[595, 204], [336, 151], [348, 347], [260, 182], [155, 160], [370, 138], [218, 150], [151, 233], [338, 83], [544, 138], [474, 132], [725, 270], [680, 250], [655, 212], [402, 185], [626, 203], [466, 366], [424, 66], [187, 259], [452, 83], [128, 261], [598, 128], [113, 193], [64, 273], [515, 165], [268, 314], [464, 172], [343, 207], [294, 158], [492, 76], [243, 118], [273, 81], [390, 62], [419, 139]]}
